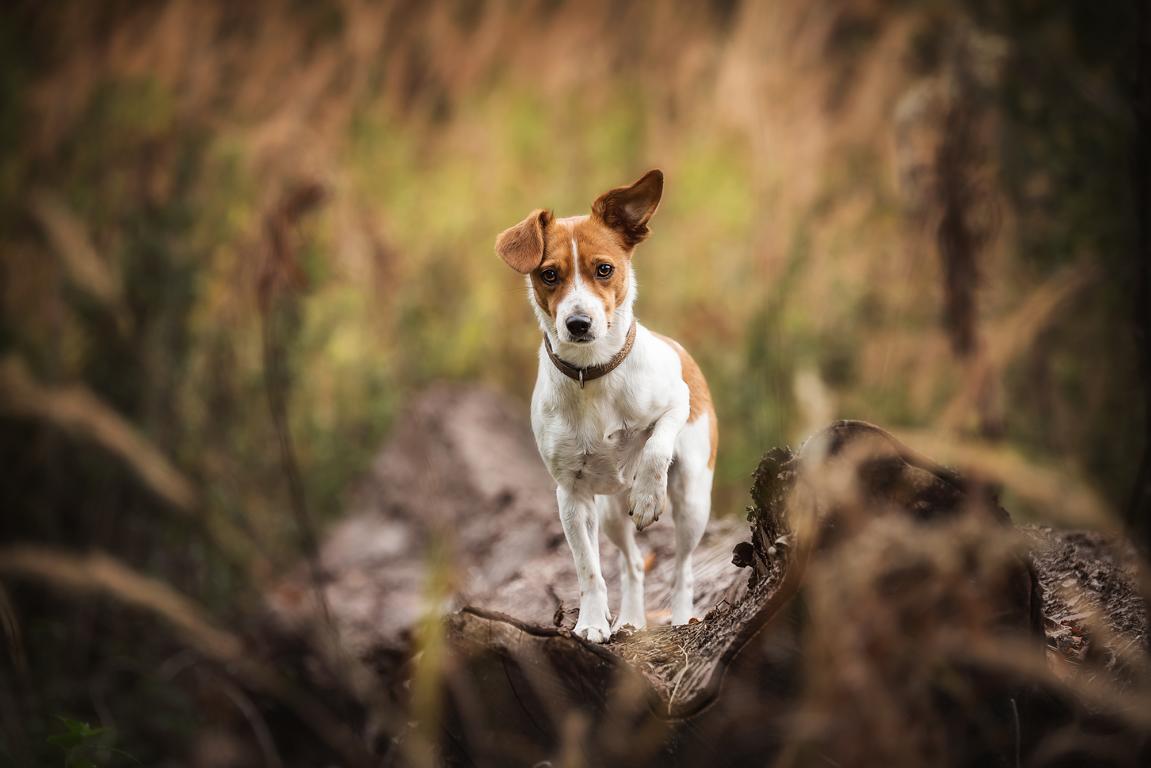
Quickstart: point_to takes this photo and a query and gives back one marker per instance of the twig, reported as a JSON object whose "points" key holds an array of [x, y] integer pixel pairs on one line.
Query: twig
{"points": [[255, 720], [558, 616], [678, 679]]}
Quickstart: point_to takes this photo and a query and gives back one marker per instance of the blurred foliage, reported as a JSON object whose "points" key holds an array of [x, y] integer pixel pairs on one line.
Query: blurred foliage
{"points": [[85, 746], [146, 147]]}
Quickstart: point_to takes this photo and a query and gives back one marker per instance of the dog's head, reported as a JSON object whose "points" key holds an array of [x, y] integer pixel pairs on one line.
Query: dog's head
{"points": [[579, 268]]}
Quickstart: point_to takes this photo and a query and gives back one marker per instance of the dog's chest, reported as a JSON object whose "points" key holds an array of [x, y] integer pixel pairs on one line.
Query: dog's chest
{"points": [[592, 444]]}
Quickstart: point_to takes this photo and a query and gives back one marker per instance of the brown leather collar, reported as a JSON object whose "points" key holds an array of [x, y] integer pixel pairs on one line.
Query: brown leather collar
{"points": [[592, 371]]}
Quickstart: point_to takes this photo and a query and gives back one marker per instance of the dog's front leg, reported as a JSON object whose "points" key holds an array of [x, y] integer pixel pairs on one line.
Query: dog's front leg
{"points": [[581, 528], [649, 493]]}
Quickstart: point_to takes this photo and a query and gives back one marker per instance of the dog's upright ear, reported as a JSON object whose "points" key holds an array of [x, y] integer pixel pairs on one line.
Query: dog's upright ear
{"points": [[627, 210], [522, 246]]}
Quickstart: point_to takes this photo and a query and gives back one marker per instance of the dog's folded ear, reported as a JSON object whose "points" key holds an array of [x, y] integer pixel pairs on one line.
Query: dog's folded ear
{"points": [[628, 209], [522, 246]]}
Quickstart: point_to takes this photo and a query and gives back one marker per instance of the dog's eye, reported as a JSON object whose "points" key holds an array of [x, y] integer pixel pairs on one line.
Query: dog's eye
{"points": [[604, 270], [549, 276]]}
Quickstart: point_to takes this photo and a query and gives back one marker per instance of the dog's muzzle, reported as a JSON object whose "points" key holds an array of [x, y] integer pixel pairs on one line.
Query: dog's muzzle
{"points": [[578, 327]]}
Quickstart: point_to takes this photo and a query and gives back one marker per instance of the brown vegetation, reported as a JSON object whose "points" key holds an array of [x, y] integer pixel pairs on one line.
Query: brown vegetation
{"points": [[230, 233]]}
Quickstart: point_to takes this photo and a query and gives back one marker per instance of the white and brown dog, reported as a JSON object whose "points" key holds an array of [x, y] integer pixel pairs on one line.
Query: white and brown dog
{"points": [[622, 416]]}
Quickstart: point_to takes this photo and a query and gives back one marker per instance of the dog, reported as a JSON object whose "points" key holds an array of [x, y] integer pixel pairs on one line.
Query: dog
{"points": [[622, 416]]}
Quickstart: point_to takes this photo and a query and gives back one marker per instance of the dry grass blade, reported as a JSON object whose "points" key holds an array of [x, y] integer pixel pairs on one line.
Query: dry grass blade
{"points": [[71, 243], [1015, 334], [678, 680], [1061, 496], [1018, 331], [98, 573], [76, 410], [1006, 656]]}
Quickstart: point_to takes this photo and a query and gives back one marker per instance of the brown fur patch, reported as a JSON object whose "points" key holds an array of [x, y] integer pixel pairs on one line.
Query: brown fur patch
{"points": [[700, 394], [627, 210], [557, 256], [522, 246]]}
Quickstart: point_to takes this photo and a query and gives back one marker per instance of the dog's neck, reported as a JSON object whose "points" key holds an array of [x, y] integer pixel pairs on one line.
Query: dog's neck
{"points": [[602, 349]]}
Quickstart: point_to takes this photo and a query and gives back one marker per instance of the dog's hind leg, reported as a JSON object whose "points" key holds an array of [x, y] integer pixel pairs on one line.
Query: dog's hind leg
{"points": [[689, 490], [621, 532]]}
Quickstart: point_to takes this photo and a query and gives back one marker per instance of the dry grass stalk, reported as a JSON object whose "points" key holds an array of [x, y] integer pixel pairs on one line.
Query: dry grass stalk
{"points": [[72, 244], [1057, 493], [78, 411], [1009, 338], [100, 574]]}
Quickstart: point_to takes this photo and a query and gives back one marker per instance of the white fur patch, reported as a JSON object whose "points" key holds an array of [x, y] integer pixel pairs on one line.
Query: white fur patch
{"points": [[575, 264]]}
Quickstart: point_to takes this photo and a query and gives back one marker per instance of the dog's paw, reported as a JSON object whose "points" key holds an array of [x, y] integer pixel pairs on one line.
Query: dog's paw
{"points": [[649, 493], [593, 617], [634, 622], [593, 633], [647, 507]]}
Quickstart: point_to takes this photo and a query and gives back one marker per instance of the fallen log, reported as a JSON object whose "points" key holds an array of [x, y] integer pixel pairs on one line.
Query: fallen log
{"points": [[873, 607]]}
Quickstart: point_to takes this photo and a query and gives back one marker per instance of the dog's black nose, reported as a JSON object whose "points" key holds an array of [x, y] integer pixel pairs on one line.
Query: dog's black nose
{"points": [[578, 325]]}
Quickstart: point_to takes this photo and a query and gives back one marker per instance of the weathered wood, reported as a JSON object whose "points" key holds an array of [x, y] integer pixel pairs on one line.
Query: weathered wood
{"points": [[1093, 609], [459, 509]]}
